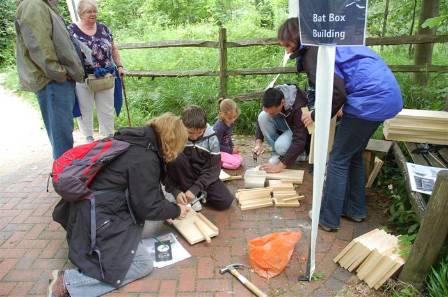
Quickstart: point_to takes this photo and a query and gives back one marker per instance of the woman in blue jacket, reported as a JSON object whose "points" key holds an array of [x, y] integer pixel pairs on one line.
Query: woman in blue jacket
{"points": [[368, 93]]}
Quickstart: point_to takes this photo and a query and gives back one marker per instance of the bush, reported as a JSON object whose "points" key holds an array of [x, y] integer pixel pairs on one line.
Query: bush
{"points": [[437, 283], [7, 33]]}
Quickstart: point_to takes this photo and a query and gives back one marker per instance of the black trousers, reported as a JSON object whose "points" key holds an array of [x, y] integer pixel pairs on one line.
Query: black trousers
{"points": [[181, 173]]}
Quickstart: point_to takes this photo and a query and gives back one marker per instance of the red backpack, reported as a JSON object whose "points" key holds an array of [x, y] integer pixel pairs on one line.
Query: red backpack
{"points": [[74, 171]]}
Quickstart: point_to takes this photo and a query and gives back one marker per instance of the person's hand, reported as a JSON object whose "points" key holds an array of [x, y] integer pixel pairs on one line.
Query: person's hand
{"points": [[258, 149], [184, 209], [235, 150], [169, 221], [340, 113], [273, 168], [181, 198], [307, 119], [121, 71], [190, 196]]}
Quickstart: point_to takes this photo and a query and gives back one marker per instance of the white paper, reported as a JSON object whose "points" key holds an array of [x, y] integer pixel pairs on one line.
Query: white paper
{"points": [[422, 178], [178, 251]]}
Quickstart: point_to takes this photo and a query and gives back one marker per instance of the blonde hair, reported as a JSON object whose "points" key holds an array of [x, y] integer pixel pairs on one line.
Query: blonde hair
{"points": [[172, 133], [85, 5], [227, 106]]}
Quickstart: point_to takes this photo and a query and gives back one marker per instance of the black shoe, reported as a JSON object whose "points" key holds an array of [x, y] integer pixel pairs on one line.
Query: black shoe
{"points": [[356, 220], [328, 229]]}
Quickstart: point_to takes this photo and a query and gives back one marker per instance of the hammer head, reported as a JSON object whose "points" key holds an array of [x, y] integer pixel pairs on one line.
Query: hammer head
{"points": [[230, 266]]}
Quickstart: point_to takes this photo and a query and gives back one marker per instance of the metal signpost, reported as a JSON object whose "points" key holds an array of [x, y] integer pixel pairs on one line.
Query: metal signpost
{"points": [[326, 23]]}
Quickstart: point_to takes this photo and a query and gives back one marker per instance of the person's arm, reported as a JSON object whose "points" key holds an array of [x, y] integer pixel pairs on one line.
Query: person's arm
{"points": [[146, 196], [117, 59], [170, 186], [210, 172], [35, 25], [299, 137], [309, 63]]}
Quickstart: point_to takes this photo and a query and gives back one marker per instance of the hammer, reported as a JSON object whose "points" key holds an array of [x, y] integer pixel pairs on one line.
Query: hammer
{"points": [[233, 270]]}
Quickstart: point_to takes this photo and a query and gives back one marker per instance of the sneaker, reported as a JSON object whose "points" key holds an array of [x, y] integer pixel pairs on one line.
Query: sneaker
{"points": [[89, 139], [197, 207], [57, 286], [328, 229], [310, 214]]}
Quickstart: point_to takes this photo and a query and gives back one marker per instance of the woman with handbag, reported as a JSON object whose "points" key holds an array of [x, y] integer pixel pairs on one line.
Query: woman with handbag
{"points": [[102, 60]]}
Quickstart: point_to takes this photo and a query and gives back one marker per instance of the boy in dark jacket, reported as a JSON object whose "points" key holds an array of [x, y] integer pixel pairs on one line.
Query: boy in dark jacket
{"points": [[281, 126], [196, 170]]}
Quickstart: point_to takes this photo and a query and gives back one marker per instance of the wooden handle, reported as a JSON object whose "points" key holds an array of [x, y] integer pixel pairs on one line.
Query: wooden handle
{"points": [[247, 283], [203, 231]]}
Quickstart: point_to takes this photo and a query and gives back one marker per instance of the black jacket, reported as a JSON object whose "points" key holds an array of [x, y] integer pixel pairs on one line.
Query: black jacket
{"points": [[140, 170], [293, 117]]}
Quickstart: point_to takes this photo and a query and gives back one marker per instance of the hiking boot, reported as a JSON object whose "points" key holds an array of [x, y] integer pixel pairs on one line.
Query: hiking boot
{"points": [[57, 286]]}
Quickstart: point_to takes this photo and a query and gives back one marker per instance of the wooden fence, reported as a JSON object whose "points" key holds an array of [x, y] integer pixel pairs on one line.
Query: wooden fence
{"points": [[223, 73]]}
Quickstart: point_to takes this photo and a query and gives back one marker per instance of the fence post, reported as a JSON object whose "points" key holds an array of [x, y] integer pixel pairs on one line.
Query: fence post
{"points": [[431, 236], [222, 62]]}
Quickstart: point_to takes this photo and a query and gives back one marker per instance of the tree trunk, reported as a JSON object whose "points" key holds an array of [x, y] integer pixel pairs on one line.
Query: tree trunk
{"points": [[411, 31], [423, 52], [386, 14]]}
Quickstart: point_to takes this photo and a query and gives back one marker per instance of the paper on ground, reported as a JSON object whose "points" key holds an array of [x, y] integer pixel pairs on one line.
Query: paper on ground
{"points": [[422, 178], [178, 251]]}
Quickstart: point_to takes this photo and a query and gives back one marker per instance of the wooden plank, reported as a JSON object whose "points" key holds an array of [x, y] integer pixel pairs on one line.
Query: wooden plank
{"points": [[389, 40], [420, 114], [288, 175], [171, 73], [352, 243], [379, 146], [417, 201], [431, 236], [189, 230], [376, 169], [330, 140], [280, 203], [418, 158], [168, 43], [248, 206]]}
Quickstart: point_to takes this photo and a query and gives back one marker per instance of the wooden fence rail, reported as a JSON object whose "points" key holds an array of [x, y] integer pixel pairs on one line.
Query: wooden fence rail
{"points": [[223, 73]]}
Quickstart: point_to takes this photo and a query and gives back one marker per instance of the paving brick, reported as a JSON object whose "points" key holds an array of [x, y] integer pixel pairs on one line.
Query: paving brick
{"points": [[187, 279], [33, 244], [28, 259], [12, 253], [205, 267], [35, 231], [212, 285], [18, 227], [22, 275], [14, 240], [6, 265], [6, 287], [146, 284], [21, 289], [167, 288]]}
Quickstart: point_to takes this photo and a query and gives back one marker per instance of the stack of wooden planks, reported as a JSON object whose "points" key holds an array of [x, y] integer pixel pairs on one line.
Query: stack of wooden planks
{"points": [[279, 194], [374, 256], [421, 126], [254, 198], [284, 194]]}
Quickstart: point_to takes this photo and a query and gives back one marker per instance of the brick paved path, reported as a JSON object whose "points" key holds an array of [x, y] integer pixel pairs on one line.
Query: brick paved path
{"points": [[31, 245]]}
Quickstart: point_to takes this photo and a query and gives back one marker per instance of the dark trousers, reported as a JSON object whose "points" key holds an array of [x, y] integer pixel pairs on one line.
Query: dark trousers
{"points": [[344, 185], [181, 173]]}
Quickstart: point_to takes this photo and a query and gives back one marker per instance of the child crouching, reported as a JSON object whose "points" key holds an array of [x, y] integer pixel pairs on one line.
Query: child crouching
{"points": [[196, 170]]}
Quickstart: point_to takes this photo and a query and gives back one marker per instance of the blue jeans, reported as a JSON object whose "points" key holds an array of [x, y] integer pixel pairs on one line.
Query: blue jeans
{"points": [[344, 192], [81, 285], [276, 132], [56, 101]]}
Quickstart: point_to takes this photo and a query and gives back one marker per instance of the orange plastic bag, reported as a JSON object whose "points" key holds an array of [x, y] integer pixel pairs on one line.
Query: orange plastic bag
{"points": [[269, 255]]}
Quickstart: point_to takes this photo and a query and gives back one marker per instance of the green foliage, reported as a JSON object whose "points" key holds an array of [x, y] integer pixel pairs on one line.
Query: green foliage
{"points": [[405, 242], [435, 22], [7, 33], [437, 282], [402, 218], [317, 276]]}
